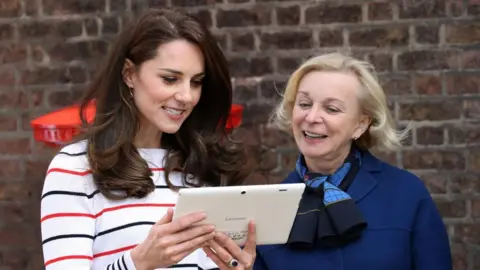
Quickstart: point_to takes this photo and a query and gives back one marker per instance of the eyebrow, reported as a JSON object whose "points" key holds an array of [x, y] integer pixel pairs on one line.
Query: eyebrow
{"points": [[180, 73], [326, 100]]}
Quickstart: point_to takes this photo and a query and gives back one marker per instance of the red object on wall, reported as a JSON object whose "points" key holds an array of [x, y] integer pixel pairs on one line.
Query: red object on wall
{"points": [[61, 126]]}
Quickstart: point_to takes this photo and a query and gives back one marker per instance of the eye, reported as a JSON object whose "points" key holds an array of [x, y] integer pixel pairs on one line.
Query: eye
{"points": [[331, 109], [169, 80], [304, 105], [197, 83]]}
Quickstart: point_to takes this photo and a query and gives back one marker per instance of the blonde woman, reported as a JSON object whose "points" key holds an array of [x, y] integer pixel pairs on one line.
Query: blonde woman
{"points": [[357, 212]]}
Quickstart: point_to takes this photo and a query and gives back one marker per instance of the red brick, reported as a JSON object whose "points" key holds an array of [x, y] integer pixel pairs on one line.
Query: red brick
{"points": [[474, 159], [433, 159], [463, 83], [430, 135], [467, 233], [288, 15], [50, 29], [13, 53], [257, 113], [379, 37], [464, 133], [10, 8], [245, 91], [396, 84], [472, 109], [465, 183], [14, 192], [7, 32], [246, 17], [286, 40], [428, 60], [452, 209], [463, 33], [16, 258], [273, 138], [431, 110], [10, 169], [244, 67], [459, 256], [7, 77], [8, 122], [411, 9], [428, 84], [15, 146], [11, 99], [380, 11], [36, 169], [331, 38], [382, 62], [326, 13], [427, 34], [53, 7], [192, 3], [470, 59], [242, 42]]}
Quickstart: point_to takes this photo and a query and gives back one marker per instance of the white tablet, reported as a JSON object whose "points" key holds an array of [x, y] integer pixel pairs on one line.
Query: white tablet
{"points": [[272, 207]]}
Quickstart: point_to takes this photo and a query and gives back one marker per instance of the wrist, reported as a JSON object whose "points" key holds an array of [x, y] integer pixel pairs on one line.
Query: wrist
{"points": [[139, 259]]}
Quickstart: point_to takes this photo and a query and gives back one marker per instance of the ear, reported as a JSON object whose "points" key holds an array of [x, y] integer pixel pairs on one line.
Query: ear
{"points": [[128, 73], [363, 125]]}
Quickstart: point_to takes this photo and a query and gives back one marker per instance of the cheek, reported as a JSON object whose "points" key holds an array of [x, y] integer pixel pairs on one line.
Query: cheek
{"points": [[196, 96]]}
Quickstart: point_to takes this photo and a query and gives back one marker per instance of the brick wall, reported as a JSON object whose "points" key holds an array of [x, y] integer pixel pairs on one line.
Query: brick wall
{"points": [[427, 53]]}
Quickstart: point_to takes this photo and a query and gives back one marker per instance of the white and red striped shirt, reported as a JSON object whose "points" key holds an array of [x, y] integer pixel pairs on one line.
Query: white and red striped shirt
{"points": [[81, 229]]}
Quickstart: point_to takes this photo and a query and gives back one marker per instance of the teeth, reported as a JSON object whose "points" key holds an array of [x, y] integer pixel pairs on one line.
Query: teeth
{"points": [[173, 111], [314, 135]]}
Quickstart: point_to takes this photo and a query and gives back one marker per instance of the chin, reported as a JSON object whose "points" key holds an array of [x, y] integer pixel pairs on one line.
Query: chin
{"points": [[170, 129]]}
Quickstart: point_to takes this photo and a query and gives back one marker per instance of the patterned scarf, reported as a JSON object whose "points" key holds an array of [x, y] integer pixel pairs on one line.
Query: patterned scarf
{"points": [[327, 216]]}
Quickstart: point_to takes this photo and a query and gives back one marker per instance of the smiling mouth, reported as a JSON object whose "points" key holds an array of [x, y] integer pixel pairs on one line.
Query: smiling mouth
{"points": [[173, 111], [311, 135]]}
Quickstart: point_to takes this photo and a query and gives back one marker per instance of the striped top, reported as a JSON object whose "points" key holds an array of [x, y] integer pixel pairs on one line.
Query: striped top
{"points": [[81, 229]]}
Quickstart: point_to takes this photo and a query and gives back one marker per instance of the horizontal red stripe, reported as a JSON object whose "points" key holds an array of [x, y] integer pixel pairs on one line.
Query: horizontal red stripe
{"points": [[109, 209], [71, 257], [67, 215], [110, 252], [60, 170], [134, 205]]}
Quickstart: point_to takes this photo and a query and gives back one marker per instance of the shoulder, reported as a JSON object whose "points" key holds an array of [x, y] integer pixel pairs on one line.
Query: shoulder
{"points": [[69, 169], [401, 180]]}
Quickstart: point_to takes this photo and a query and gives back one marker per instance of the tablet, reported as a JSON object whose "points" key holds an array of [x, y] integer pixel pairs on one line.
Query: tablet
{"points": [[272, 207]]}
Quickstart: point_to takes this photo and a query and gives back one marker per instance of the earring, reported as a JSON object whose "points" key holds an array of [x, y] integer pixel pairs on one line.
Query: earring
{"points": [[131, 91], [354, 138]]}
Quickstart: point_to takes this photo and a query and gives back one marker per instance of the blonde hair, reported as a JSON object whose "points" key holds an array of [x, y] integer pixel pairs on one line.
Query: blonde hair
{"points": [[381, 134]]}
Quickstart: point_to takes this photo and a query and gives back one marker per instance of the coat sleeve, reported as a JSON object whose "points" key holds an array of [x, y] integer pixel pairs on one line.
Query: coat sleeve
{"points": [[431, 247]]}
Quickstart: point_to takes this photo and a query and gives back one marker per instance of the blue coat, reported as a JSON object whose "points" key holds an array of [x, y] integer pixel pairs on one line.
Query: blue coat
{"points": [[405, 230]]}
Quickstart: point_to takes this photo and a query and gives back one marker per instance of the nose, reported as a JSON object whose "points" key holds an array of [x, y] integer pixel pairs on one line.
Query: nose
{"points": [[312, 115], [184, 94]]}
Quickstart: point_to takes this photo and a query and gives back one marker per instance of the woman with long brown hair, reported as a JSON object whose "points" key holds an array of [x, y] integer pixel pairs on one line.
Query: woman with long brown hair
{"points": [[163, 97]]}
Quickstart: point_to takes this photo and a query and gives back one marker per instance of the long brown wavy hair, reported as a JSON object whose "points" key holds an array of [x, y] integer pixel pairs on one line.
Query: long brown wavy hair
{"points": [[200, 148]]}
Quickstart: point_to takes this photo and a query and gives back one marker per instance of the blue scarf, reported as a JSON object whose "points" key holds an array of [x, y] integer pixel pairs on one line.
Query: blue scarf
{"points": [[327, 216]]}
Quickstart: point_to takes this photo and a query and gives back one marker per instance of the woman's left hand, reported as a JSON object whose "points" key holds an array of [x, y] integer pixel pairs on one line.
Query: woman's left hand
{"points": [[223, 250]]}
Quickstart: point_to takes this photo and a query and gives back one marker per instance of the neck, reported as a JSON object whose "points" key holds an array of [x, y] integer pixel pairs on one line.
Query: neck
{"points": [[148, 138], [327, 165]]}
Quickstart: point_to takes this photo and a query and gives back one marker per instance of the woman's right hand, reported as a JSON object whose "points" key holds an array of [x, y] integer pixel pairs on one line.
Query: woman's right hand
{"points": [[168, 242]]}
